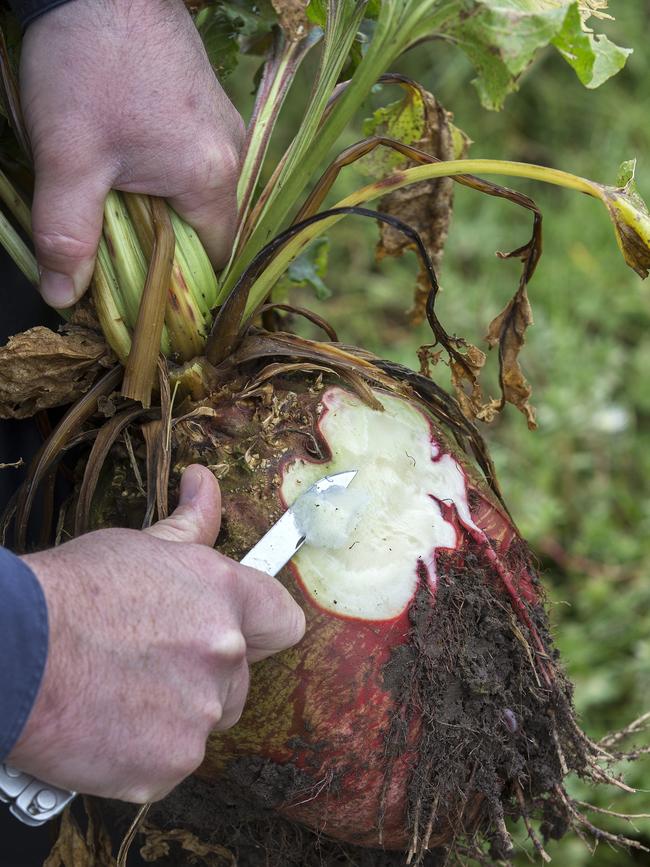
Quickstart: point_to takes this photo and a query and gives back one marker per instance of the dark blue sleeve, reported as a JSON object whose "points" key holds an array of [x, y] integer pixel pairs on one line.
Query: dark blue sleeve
{"points": [[27, 10], [23, 646]]}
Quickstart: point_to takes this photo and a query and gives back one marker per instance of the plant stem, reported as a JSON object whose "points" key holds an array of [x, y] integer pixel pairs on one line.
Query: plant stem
{"points": [[108, 304], [311, 144], [16, 204], [279, 72], [399, 23], [141, 365], [292, 248], [18, 250]]}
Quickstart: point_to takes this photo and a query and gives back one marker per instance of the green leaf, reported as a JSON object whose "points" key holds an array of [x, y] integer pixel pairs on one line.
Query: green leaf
{"points": [[317, 12], [220, 27], [308, 269], [626, 172], [501, 38], [402, 120], [593, 57]]}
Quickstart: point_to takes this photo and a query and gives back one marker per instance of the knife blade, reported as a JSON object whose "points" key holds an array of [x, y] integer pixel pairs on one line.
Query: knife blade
{"points": [[277, 547], [34, 802]]}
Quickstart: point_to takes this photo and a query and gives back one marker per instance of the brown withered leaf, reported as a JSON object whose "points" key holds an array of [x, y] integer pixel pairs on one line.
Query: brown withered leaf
{"points": [[158, 842], [40, 369], [465, 367], [426, 206], [508, 332], [74, 849], [293, 18], [466, 385]]}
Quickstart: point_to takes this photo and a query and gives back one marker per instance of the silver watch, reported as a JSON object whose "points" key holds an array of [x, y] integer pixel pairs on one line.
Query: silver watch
{"points": [[29, 799]]}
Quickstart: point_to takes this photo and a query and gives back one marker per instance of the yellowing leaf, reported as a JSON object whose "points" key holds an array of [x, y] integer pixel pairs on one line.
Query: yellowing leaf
{"points": [[403, 120], [631, 219], [420, 121]]}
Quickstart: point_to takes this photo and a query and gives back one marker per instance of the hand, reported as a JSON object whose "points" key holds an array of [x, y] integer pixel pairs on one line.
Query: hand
{"points": [[151, 634], [120, 93]]}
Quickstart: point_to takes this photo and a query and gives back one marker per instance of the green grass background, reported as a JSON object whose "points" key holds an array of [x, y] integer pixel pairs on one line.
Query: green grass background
{"points": [[579, 486]]}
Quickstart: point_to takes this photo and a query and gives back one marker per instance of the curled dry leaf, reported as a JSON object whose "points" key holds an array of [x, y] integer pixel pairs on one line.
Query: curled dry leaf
{"points": [[465, 382], [293, 17], [40, 369], [74, 849], [507, 331], [426, 206], [595, 8], [157, 846]]}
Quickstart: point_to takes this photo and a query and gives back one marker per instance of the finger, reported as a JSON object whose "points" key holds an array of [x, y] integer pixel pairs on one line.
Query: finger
{"points": [[67, 216], [211, 208], [236, 699], [197, 517], [271, 619]]}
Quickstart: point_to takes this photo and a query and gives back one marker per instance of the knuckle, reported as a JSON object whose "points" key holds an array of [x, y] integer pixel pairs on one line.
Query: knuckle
{"points": [[228, 576], [228, 645], [213, 713], [217, 166]]}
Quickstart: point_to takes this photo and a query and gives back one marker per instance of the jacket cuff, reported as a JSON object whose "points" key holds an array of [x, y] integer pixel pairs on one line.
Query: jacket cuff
{"points": [[23, 646]]}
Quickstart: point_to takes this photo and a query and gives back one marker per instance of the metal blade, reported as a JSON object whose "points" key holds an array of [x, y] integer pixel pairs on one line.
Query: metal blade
{"points": [[277, 547]]}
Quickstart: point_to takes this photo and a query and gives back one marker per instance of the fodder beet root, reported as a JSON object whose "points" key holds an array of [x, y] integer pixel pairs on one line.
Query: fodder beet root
{"points": [[425, 703]]}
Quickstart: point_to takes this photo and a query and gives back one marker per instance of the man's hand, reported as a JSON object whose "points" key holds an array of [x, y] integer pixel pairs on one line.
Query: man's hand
{"points": [[151, 634], [120, 93]]}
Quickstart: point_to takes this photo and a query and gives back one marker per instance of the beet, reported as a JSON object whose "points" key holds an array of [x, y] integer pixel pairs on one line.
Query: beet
{"points": [[425, 703]]}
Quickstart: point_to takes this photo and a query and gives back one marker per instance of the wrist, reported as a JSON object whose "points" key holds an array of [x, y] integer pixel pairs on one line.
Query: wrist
{"points": [[23, 646], [42, 722]]}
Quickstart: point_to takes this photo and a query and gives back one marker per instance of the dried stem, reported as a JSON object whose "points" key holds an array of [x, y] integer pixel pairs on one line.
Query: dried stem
{"points": [[51, 451], [141, 364]]}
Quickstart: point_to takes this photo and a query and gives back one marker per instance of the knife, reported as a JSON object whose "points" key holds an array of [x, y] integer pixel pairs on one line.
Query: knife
{"points": [[34, 802]]}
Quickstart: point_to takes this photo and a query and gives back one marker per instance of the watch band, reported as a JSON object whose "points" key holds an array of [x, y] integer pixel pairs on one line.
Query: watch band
{"points": [[30, 800]]}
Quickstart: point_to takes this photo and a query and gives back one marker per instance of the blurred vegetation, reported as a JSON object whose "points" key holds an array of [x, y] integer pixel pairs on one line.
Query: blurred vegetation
{"points": [[579, 486]]}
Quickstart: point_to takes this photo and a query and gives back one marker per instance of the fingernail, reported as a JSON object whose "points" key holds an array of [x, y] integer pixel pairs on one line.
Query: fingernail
{"points": [[190, 485], [57, 289]]}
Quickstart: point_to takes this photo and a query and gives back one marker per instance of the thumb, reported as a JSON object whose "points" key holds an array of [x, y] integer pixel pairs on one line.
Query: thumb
{"points": [[197, 517], [67, 216]]}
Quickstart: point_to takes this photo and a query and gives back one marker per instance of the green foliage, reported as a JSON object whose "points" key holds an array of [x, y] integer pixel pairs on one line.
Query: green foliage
{"points": [[221, 25], [402, 120], [307, 270], [501, 38], [594, 58]]}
